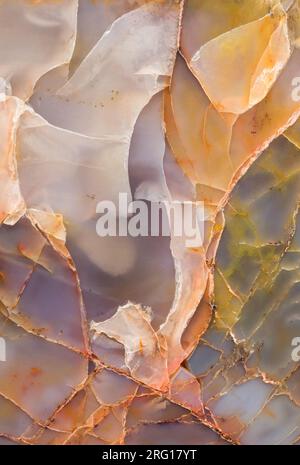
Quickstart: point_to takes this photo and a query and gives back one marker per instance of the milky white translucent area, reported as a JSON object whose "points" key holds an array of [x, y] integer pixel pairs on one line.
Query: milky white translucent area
{"points": [[126, 257], [34, 38], [94, 17], [148, 182], [131, 62], [144, 354], [147, 150], [11, 201], [69, 173]]}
